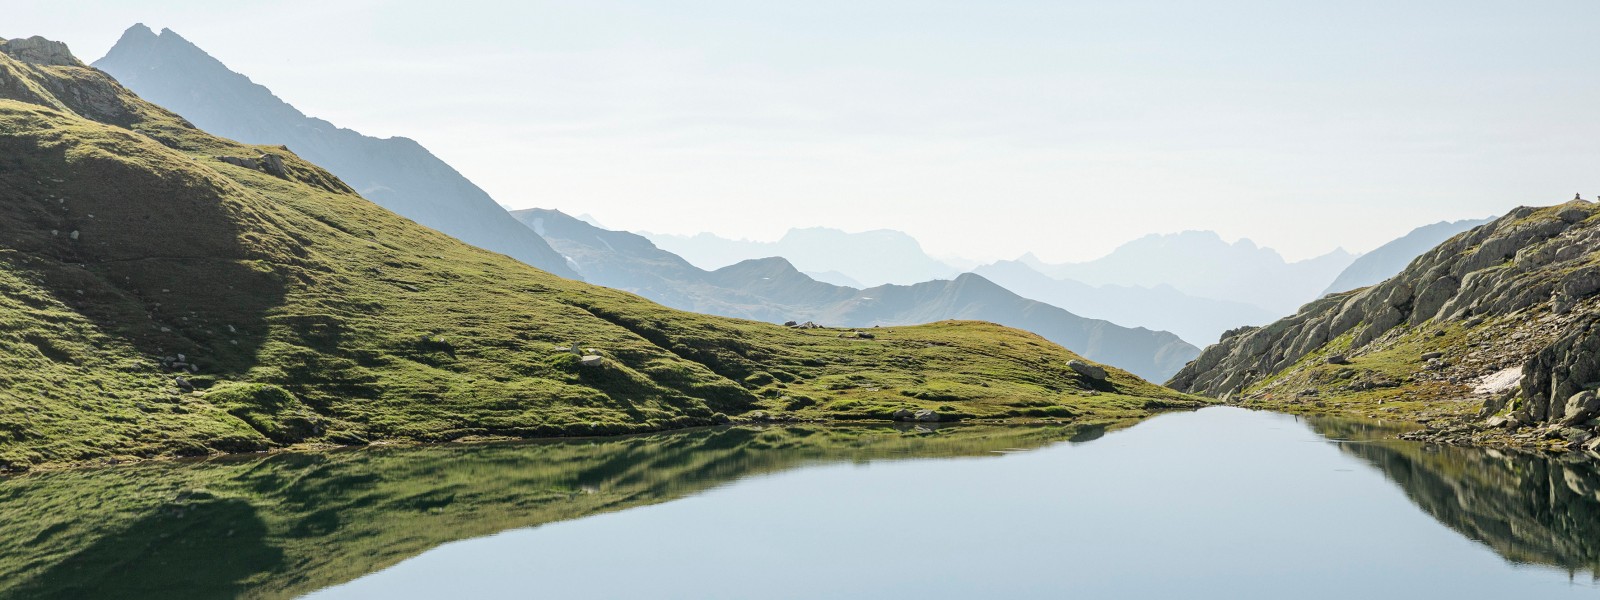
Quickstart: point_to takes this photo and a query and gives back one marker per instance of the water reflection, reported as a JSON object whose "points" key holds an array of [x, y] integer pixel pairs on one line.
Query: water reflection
{"points": [[1530, 508], [284, 525]]}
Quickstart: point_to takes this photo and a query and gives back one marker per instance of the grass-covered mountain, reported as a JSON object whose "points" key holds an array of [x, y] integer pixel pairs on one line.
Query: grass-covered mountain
{"points": [[1391, 258], [397, 173], [164, 291], [773, 290], [1495, 330]]}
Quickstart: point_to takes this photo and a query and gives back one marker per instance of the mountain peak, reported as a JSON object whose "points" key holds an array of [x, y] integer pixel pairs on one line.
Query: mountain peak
{"points": [[138, 32]]}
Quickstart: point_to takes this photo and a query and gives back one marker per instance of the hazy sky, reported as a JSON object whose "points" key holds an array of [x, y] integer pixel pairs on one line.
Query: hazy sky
{"points": [[984, 128]]}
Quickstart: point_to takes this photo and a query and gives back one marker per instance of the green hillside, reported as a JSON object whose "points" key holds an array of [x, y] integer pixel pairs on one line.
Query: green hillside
{"points": [[167, 292]]}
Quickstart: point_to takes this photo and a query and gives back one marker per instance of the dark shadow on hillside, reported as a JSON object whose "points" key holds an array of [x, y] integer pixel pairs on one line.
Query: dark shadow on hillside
{"points": [[199, 547], [152, 255]]}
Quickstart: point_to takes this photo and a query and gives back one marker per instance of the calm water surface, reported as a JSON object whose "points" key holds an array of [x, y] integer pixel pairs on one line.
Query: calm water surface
{"points": [[1219, 503]]}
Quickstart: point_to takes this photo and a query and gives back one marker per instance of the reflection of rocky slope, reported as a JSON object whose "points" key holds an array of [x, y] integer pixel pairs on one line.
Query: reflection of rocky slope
{"points": [[285, 525], [1528, 508], [773, 290], [1518, 293], [397, 173]]}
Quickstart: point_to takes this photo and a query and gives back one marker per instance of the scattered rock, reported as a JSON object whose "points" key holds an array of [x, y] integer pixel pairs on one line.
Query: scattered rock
{"points": [[1087, 370], [1432, 355]]}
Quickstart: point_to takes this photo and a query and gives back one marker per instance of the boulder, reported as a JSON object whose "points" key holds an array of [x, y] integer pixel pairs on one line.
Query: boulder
{"points": [[926, 416], [272, 164], [1087, 370], [590, 360], [1431, 355], [248, 163], [904, 414], [1338, 359], [1581, 407]]}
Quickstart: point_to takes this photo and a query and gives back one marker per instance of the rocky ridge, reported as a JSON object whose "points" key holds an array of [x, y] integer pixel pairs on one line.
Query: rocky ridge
{"points": [[1488, 338]]}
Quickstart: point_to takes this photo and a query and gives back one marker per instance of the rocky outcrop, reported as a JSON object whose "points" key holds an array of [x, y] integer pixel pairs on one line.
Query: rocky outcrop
{"points": [[1521, 288], [39, 51]]}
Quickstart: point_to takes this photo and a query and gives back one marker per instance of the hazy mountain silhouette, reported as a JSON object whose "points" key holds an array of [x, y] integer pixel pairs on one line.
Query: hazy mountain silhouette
{"points": [[1200, 263], [1390, 259], [772, 289], [870, 257], [396, 173], [1163, 307]]}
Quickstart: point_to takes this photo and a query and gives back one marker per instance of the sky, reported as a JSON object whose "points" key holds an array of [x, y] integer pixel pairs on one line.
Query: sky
{"points": [[984, 128]]}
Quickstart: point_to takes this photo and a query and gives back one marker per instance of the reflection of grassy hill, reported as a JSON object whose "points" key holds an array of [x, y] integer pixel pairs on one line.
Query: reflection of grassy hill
{"points": [[158, 300], [284, 525], [1527, 508]]}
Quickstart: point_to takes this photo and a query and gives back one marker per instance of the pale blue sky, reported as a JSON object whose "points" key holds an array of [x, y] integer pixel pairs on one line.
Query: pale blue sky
{"points": [[985, 129]]}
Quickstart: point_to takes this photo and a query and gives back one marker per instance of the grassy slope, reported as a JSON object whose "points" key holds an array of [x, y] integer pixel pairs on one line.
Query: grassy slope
{"points": [[284, 525], [375, 327]]}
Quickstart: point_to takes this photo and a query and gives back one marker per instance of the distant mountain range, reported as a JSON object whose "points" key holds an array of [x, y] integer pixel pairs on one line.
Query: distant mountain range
{"points": [[1197, 320], [867, 258], [1200, 263], [396, 173], [773, 289], [1116, 309], [1390, 259]]}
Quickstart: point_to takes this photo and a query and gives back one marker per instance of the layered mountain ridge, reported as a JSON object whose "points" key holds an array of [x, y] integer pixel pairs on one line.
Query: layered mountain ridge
{"points": [[772, 289], [164, 291], [396, 173]]}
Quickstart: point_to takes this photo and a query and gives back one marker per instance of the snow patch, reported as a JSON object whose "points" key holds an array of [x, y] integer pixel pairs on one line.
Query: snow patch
{"points": [[1499, 382]]}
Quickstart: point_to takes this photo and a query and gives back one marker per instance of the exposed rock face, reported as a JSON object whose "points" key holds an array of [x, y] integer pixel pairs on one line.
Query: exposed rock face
{"points": [[1526, 281], [39, 51]]}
